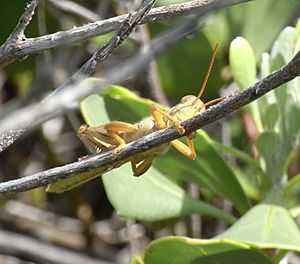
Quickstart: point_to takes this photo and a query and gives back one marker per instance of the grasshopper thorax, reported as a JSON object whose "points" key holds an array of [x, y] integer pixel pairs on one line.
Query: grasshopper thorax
{"points": [[188, 107]]}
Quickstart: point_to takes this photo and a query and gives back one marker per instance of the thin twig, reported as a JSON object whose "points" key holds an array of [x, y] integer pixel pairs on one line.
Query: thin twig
{"points": [[75, 8], [17, 37], [132, 20], [18, 32], [272, 81], [28, 46]]}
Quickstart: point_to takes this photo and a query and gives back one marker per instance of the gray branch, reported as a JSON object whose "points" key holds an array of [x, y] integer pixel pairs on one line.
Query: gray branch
{"points": [[18, 33], [9, 52], [8, 138], [272, 81]]}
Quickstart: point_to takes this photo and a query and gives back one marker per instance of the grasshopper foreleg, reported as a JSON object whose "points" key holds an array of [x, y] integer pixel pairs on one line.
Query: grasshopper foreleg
{"points": [[159, 117]]}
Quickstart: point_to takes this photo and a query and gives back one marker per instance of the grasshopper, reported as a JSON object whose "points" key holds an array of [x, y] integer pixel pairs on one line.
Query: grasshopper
{"points": [[116, 134]]}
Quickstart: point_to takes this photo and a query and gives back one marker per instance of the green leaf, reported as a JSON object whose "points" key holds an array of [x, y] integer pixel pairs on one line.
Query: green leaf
{"points": [[273, 155], [257, 24], [169, 2], [288, 98], [93, 110], [241, 155], [243, 67], [283, 47], [265, 226], [210, 169], [135, 259], [270, 116], [282, 51], [152, 197], [219, 173], [293, 187], [265, 65], [75, 180], [242, 62], [279, 110], [181, 250], [251, 183]]}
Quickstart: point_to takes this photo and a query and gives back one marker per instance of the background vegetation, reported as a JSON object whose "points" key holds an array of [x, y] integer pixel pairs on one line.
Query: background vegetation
{"points": [[238, 202]]}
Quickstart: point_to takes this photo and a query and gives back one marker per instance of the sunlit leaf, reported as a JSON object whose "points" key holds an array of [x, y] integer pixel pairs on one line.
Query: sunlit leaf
{"points": [[152, 197], [265, 226], [181, 250], [242, 62]]}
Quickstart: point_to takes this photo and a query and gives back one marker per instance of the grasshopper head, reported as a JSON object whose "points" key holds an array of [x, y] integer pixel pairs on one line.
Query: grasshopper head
{"points": [[96, 138], [85, 135], [82, 129]]}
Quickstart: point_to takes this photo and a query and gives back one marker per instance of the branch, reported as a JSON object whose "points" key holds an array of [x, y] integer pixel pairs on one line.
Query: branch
{"points": [[17, 38], [9, 53], [8, 138], [277, 78], [18, 32]]}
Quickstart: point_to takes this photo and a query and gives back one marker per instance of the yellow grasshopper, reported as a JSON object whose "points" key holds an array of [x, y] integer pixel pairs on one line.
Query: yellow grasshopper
{"points": [[116, 134]]}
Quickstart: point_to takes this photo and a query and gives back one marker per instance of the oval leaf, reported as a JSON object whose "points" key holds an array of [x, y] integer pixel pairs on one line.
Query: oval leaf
{"points": [[182, 250], [266, 226], [152, 197], [242, 62]]}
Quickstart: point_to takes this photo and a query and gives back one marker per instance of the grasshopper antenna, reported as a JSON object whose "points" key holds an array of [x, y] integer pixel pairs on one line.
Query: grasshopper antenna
{"points": [[208, 71]]}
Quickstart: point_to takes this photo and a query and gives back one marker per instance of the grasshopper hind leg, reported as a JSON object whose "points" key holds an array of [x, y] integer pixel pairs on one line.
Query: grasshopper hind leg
{"points": [[142, 167], [115, 129], [187, 150]]}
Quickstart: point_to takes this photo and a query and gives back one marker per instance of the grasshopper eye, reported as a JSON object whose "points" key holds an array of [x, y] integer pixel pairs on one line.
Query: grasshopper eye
{"points": [[82, 129], [187, 98]]}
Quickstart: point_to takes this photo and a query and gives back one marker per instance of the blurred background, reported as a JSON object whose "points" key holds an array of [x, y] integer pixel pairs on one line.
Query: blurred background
{"points": [[81, 226]]}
